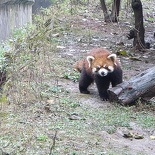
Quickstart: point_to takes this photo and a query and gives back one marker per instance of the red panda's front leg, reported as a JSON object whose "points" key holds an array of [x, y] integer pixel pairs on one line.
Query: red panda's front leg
{"points": [[102, 84], [85, 80], [116, 77]]}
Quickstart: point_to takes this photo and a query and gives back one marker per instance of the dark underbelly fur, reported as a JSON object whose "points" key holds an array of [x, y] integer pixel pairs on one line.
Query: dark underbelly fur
{"points": [[102, 83]]}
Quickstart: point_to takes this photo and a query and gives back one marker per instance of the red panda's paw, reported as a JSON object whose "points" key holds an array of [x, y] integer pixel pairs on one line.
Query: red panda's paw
{"points": [[84, 91], [105, 97]]}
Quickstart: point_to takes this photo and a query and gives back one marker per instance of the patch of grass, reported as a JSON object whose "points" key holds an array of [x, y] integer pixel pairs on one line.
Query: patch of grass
{"points": [[69, 102], [94, 119], [35, 72], [115, 117], [4, 59], [81, 133], [74, 76], [42, 138], [3, 114], [146, 120]]}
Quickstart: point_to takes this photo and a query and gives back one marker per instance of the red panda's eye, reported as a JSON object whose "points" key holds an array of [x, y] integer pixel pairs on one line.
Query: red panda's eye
{"points": [[94, 70], [110, 68], [98, 67], [104, 66]]}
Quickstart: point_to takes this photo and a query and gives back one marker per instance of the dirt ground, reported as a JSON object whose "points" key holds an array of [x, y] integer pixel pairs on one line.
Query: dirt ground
{"points": [[113, 37], [27, 121]]}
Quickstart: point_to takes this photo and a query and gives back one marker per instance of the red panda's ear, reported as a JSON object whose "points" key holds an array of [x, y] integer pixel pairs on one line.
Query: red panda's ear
{"points": [[113, 58], [90, 59]]}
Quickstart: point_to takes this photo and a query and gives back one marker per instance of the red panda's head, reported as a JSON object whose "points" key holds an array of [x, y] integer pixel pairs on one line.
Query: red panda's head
{"points": [[102, 65]]}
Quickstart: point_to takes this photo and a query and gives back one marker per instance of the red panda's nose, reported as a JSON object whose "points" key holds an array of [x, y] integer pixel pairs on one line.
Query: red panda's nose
{"points": [[103, 73]]}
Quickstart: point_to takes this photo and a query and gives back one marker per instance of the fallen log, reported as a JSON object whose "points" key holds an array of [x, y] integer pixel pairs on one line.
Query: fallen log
{"points": [[142, 85]]}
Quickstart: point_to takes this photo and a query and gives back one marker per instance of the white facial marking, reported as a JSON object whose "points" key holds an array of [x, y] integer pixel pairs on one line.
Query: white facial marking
{"points": [[111, 68], [94, 70], [103, 72]]}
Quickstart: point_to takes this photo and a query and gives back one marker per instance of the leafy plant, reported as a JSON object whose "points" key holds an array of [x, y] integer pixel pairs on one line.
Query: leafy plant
{"points": [[3, 60], [74, 76], [42, 138]]}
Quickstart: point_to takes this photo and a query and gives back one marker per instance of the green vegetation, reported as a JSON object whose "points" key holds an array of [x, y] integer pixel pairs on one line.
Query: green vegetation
{"points": [[40, 97], [146, 120], [3, 61], [71, 75]]}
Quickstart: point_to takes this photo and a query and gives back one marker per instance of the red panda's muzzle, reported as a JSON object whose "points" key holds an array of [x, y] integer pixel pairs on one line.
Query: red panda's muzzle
{"points": [[103, 71]]}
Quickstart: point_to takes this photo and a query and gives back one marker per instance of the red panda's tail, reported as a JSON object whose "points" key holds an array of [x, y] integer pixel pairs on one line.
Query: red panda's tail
{"points": [[78, 65]]}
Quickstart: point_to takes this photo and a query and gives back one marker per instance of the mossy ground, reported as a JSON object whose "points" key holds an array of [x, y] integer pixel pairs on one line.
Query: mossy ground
{"points": [[41, 109]]}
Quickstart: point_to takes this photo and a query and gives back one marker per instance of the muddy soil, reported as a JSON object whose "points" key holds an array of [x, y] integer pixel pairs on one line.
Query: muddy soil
{"points": [[113, 37], [32, 118]]}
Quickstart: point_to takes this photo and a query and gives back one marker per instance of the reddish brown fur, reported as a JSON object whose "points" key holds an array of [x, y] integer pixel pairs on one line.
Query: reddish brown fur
{"points": [[100, 56], [78, 65]]}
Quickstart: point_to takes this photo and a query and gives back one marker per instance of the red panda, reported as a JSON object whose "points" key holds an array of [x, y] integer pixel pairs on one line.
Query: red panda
{"points": [[102, 67]]}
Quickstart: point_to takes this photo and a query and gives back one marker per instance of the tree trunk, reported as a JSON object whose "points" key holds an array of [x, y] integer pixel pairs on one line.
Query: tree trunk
{"points": [[142, 85], [138, 32], [115, 11], [105, 12]]}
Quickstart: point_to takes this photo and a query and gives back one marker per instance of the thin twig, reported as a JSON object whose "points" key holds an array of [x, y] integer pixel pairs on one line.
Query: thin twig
{"points": [[53, 145]]}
